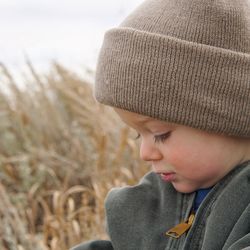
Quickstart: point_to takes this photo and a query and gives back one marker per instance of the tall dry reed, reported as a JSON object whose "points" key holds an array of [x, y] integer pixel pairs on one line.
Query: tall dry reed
{"points": [[60, 153]]}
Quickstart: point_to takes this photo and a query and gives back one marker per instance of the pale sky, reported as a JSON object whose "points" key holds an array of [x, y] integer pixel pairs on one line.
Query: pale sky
{"points": [[70, 31]]}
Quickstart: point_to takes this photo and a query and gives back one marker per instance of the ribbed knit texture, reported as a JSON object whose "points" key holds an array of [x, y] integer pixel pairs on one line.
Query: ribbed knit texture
{"points": [[185, 62]]}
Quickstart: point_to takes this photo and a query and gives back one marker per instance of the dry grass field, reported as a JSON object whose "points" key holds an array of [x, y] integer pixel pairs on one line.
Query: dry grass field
{"points": [[60, 153]]}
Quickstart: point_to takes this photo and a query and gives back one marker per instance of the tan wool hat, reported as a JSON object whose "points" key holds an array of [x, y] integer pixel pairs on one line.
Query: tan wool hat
{"points": [[184, 62]]}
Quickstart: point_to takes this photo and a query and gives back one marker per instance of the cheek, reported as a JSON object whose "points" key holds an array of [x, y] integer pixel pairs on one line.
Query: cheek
{"points": [[180, 157], [192, 161]]}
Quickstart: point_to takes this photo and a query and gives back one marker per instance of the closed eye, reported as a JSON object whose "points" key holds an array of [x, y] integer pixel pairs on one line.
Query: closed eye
{"points": [[157, 138], [161, 138]]}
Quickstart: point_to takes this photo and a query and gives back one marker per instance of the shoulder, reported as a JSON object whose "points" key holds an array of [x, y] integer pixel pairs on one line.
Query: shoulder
{"points": [[238, 180], [227, 211], [136, 211], [143, 203], [149, 188]]}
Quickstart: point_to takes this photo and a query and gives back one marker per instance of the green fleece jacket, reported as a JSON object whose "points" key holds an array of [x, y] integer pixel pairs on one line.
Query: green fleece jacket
{"points": [[138, 216]]}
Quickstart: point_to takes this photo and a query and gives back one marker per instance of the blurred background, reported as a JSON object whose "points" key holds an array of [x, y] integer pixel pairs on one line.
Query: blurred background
{"points": [[60, 151], [67, 31]]}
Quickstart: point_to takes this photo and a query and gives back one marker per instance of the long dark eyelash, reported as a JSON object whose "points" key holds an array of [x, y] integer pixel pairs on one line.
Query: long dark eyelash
{"points": [[162, 137]]}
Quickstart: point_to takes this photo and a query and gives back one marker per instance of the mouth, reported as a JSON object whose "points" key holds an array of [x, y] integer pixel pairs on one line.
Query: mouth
{"points": [[168, 176]]}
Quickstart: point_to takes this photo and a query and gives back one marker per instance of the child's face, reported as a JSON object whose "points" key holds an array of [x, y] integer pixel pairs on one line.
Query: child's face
{"points": [[188, 158]]}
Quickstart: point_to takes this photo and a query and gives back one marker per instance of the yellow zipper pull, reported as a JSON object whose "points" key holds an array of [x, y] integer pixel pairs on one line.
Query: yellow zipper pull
{"points": [[181, 228]]}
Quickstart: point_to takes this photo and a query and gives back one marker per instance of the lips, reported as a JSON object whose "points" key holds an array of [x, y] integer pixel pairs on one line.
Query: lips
{"points": [[168, 176]]}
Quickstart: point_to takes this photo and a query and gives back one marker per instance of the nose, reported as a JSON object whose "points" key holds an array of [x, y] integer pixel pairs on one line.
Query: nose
{"points": [[149, 151]]}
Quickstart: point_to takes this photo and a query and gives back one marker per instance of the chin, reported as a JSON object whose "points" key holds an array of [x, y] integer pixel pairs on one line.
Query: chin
{"points": [[186, 189]]}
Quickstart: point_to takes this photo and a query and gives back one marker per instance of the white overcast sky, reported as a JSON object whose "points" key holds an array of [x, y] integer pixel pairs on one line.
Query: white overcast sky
{"points": [[70, 31]]}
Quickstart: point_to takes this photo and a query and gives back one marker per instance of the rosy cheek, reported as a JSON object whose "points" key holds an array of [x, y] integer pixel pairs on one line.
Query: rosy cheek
{"points": [[180, 153], [177, 157], [185, 160]]}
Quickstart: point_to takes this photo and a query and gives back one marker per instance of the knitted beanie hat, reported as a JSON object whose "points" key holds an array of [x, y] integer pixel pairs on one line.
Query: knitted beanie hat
{"points": [[184, 62]]}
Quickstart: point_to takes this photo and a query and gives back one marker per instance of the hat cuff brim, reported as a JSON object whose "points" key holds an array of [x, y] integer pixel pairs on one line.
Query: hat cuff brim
{"points": [[175, 80]]}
